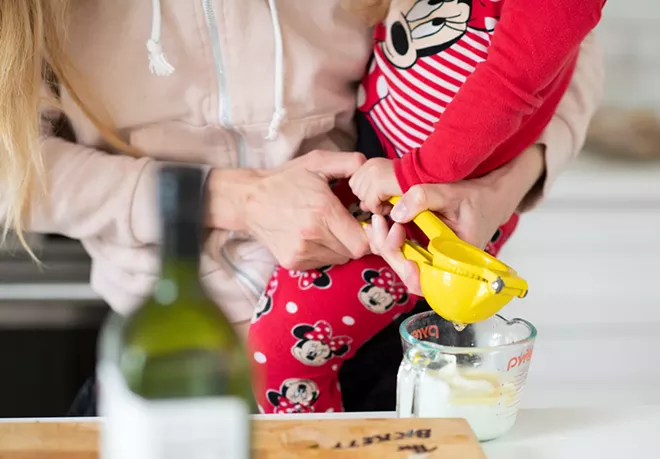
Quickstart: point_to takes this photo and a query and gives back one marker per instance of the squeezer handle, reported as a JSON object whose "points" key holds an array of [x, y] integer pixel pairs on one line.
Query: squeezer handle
{"points": [[430, 224], [414, 252], [432, 227]]}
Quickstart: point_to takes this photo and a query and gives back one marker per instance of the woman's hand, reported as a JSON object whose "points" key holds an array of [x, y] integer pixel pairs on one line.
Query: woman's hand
{"points": [[292, 209], [474, 209]]}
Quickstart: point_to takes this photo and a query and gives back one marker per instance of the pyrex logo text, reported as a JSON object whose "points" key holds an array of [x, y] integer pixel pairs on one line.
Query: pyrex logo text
{"points": [[523, 358], [425, 332]]}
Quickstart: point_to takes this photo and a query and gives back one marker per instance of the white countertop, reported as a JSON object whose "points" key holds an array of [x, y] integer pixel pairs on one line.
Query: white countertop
{"points": [[630, 432], [554, 433]]}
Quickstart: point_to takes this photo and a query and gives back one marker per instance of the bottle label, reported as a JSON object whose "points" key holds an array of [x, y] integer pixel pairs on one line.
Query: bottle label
{"points": [[135, 428]]}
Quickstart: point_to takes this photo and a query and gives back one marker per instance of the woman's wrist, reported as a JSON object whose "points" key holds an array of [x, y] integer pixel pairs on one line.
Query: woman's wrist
{"points": [[536, 172], [514, 181], [228, 191]]}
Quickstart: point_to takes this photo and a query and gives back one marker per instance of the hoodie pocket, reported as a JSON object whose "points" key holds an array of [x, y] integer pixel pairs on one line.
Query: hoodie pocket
{"points": [[182, 142], [246, 260]]}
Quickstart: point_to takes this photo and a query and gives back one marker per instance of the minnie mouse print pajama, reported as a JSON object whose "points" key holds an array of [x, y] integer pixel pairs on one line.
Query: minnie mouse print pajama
{"points": [[308, 323]]}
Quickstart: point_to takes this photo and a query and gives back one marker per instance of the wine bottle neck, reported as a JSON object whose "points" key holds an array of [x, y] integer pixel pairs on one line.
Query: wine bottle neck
{"points": [[181, 239], [181, 202], [180, 262]]}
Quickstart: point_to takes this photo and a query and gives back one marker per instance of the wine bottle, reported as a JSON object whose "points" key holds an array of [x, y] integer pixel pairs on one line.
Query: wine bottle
{"points": [[174, 380]]}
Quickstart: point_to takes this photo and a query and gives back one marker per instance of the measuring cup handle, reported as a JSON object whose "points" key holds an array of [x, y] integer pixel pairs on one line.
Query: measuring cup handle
{"points": [[430, 224], [410, 381], [407, 391]]}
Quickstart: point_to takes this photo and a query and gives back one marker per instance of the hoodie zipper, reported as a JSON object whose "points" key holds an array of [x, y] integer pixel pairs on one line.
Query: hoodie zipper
{"points": [[249, 281]]}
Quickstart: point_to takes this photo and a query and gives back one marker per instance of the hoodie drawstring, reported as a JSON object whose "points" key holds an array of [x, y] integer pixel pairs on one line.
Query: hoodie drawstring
{"points": [[279, 115], [158, 64]]}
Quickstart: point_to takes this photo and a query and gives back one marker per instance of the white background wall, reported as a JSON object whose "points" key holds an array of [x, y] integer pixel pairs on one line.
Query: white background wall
{"points": [[591, 255], [630, 37]]}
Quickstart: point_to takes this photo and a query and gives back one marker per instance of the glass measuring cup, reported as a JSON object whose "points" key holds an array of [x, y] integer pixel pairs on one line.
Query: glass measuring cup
{"points": [[477, 374]]}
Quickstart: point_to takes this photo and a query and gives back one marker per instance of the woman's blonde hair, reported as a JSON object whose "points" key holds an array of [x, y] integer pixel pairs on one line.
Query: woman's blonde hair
{"points": [[369, 11], [32, 58]]}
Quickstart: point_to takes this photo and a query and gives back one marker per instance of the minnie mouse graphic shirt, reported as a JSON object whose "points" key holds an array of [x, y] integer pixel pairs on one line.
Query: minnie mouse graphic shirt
{"points": [[457, 88]]}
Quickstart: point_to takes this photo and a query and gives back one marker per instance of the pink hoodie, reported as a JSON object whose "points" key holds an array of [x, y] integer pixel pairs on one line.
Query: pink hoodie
{"points": [[217, 79]]}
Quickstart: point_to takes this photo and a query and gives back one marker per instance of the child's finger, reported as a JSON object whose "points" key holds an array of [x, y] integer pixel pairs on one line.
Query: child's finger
{"points": [[363, 207], [387, 208], [379, 209], [356, 182], [373, 204]]}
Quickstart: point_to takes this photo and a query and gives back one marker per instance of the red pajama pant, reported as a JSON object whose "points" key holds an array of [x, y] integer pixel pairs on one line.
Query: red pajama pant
{"points": [[307, 323]]}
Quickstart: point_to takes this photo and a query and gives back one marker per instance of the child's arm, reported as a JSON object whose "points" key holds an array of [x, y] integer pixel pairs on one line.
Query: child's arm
{"points": [[533, 42]]}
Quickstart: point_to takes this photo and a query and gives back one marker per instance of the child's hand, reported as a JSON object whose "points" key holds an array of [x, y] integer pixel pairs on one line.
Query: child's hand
{"points": [[374, 183]]}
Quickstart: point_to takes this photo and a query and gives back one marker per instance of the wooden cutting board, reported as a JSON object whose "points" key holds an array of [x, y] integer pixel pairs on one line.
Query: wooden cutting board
{"points": [[273, 439]]}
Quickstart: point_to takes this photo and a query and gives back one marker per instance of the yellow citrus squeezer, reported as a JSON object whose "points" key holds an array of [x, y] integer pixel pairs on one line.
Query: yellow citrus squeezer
{"points": [[461, 282]]}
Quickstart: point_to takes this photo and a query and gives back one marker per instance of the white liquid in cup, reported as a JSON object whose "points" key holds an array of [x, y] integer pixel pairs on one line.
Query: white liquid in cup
{"points": [[486, 399]]}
